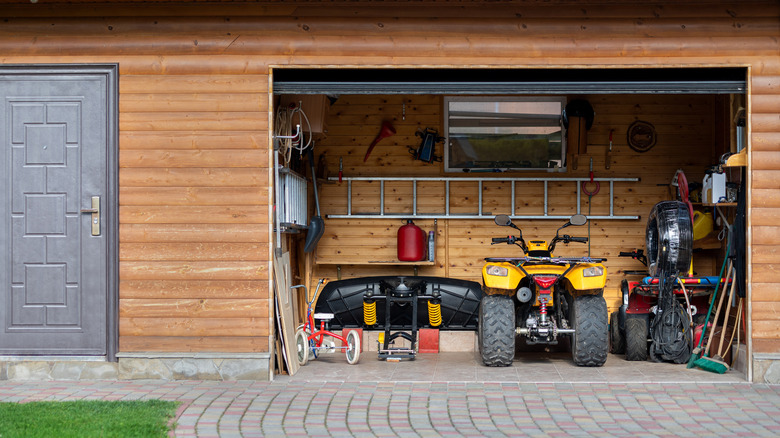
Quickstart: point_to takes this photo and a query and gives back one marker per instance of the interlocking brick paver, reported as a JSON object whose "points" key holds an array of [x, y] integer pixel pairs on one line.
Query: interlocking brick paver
{"points": [[309, 406]]}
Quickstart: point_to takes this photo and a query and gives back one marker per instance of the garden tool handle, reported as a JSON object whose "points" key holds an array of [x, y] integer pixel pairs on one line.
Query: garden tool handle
{"points": [[726, 318]]}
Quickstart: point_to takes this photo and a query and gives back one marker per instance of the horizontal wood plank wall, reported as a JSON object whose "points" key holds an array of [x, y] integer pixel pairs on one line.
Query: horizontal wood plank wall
{"points": [[194, 127], [765, 212], [194, 212], [686, 140]]}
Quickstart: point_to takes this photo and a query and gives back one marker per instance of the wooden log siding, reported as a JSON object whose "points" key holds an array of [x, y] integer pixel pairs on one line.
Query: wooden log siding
{"points": [[194, 210], [194, 116]]}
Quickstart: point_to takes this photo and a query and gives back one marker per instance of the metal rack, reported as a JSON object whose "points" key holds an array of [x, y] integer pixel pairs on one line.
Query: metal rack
{"points": [[446, 214]]}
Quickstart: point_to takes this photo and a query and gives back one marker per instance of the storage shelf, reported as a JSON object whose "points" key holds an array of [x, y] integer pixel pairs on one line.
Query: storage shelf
{"points": [[376, 262], [721, 204], [737, 160]]}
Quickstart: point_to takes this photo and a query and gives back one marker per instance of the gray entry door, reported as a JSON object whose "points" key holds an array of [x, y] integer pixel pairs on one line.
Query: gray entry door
{"points": [[54, 260]]}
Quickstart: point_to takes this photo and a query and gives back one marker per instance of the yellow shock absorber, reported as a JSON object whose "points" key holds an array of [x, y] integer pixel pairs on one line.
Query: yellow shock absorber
{"points": [[434, 313], [369, 312]]}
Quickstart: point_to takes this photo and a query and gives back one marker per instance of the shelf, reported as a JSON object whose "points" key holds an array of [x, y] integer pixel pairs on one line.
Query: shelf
{"points": [[398, 262], [376, 262], [709, 242], [721, 204], [737, 160]]}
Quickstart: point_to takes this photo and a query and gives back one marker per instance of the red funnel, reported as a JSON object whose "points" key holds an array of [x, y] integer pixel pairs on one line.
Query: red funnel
{"points": [[386, 131]]}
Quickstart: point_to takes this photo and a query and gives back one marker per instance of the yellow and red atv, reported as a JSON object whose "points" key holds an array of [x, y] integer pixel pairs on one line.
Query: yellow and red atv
{"points": [[543, 297]]}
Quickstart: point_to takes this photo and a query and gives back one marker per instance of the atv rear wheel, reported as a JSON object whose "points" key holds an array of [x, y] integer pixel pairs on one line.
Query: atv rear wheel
{"points": [[636, 338], [616, 337], [496, 334], [590, 341]]}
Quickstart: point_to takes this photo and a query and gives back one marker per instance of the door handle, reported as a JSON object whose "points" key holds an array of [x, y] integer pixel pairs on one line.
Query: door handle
{"points": [[95, 211]]}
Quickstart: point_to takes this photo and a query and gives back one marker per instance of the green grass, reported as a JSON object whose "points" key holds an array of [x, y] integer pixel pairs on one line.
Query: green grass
{"points": [[92, 418]]}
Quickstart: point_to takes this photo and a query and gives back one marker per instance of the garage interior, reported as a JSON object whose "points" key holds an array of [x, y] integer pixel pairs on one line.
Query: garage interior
{"points": [[688, 119]]}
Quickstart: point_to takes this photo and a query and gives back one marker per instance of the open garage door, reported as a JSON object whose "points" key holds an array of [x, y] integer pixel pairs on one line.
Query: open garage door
{"points": [[511, 81]]}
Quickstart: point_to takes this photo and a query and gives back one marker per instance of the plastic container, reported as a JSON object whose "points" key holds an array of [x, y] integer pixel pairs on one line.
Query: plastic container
{"points": [[702, 224], [714, 190], [411, 243]]}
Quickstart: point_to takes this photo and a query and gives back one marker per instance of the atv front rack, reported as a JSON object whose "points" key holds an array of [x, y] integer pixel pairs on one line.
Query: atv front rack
{"points": [[549, 260]]}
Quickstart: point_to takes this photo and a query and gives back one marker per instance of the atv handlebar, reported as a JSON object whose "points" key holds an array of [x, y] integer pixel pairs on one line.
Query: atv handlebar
{"points": [[567, 239], [638, 254], [512, 240]]}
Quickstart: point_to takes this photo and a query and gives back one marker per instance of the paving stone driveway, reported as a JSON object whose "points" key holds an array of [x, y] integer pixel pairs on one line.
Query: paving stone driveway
{"points": [[452, 395], [431, 409]]}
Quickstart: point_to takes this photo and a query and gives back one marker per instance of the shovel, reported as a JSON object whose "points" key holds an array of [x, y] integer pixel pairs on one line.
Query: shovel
{"points": [[316, 225]]}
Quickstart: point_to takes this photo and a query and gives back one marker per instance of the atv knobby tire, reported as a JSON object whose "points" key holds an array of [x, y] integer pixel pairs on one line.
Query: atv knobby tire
{"points": [[617, 340], [669, 238], [636, 338], [497, 330], [590, 342]]}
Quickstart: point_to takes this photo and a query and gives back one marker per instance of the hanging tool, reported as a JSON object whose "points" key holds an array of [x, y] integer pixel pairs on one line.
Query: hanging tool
{"points": [[590, 197], [386, 131], [316, 225], [608, 160], [424, 152], [341, 168]]}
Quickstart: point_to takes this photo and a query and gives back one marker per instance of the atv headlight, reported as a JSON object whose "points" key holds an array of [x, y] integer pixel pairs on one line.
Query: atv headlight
{"points": [[593, 271], [497, 271]]}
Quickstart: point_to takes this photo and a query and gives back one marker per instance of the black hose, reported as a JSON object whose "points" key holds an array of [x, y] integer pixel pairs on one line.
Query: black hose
{"points": [[671, 334]]}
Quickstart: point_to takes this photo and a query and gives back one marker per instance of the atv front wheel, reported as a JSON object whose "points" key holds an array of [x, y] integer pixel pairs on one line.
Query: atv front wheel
{"points": [[636, 338], [590, 342], [496, 334]]}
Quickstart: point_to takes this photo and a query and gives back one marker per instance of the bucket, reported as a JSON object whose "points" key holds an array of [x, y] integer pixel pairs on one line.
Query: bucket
{"points": [[411, 243]]}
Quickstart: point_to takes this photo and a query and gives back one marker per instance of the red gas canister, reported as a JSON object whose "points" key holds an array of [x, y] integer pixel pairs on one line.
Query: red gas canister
{"points": [[411, 242]]}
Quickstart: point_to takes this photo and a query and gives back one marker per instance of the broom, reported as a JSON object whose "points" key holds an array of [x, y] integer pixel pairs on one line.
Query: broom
{"points": [[710, 363], [697, 351]]}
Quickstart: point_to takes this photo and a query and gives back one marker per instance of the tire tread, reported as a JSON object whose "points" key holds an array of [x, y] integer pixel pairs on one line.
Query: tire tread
{"points": [[497, 330], [591, 338]]}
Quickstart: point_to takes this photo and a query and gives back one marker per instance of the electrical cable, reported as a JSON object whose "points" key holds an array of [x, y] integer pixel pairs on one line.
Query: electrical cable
{"points": [[283, 127]]}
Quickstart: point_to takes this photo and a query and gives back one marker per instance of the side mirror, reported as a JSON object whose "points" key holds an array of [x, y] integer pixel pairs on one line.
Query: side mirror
{"points": [[503, 220], [578, 219]]}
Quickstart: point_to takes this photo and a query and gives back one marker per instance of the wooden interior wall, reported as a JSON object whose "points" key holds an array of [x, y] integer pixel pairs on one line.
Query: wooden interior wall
{"points": [[688, 139], [194, 127]]}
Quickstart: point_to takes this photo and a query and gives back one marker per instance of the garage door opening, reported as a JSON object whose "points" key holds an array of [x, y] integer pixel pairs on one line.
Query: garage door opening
{"points": [[646, 127]]}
